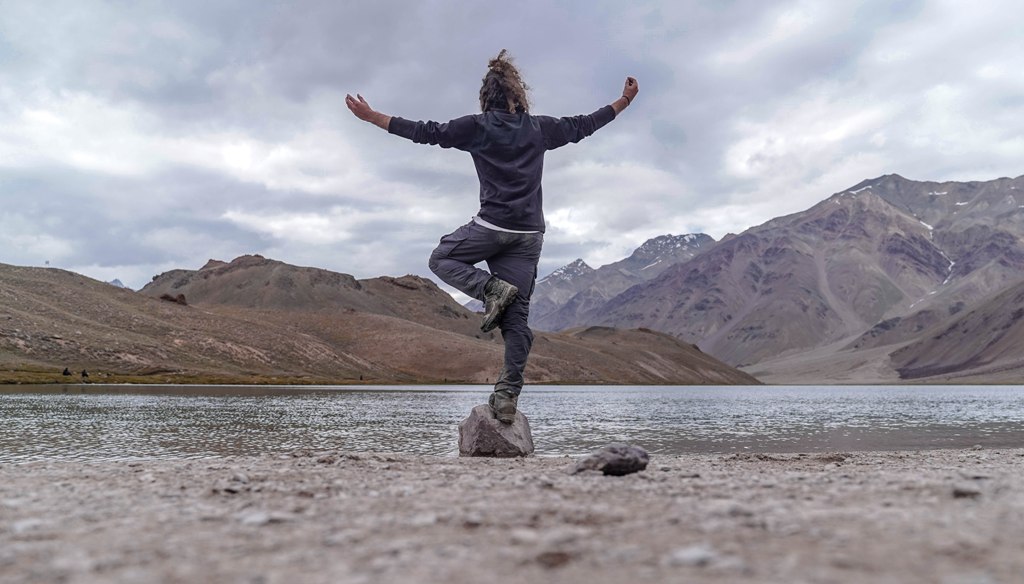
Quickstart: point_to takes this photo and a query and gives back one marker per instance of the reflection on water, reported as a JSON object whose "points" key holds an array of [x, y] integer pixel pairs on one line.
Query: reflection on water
{"points": [[123, 422]]}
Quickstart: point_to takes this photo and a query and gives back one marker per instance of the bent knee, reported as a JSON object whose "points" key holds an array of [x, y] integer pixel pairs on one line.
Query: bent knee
{"points": [[436, 256]]}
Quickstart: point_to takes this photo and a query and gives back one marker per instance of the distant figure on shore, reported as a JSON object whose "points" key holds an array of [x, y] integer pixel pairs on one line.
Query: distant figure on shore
{"points": [[507, 145], [85, 375], [67, 372]]}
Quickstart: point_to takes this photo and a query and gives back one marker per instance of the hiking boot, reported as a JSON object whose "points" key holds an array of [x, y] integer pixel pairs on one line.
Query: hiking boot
{"points": [[498, 294], [503, 403]]}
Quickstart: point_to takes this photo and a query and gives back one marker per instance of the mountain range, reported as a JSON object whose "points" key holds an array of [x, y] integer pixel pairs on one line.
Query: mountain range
{"points": [[255, 319], [861, 287], [888, 280]]}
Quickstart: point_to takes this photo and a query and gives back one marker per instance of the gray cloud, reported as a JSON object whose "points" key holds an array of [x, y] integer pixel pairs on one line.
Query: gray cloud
{"points": [[139, 137]]}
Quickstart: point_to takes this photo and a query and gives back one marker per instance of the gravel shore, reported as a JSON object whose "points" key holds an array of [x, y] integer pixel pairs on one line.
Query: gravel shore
{"points": [[949, 516]]}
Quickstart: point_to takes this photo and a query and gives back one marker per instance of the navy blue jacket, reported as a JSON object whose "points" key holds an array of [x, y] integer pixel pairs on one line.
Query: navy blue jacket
{"points": [[508, 151]]}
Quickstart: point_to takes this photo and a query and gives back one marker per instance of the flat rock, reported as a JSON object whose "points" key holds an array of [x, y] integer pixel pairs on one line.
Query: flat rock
{"points": [[966, 491], [481, 434], [614, 459]]}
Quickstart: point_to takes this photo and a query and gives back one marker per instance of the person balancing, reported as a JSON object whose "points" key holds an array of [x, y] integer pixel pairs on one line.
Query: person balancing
{"points": [[507, 145]]}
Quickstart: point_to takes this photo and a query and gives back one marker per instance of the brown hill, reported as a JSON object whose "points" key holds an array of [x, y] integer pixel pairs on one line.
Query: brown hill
{"points": [[55, 319], [253, 281], [60, 319]]}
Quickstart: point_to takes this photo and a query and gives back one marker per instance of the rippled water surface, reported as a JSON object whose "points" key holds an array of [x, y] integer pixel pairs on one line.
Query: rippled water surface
{"points": [[127, 422]]}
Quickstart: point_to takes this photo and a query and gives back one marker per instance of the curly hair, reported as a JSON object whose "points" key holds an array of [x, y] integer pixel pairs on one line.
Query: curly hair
{"points": [[503, 88]]}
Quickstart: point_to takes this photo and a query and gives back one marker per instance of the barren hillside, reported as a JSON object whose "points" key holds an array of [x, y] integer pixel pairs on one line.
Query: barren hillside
{"points": [[324, 327]]}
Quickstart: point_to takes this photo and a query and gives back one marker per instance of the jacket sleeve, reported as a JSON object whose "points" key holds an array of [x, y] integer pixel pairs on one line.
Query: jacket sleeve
{"points": [[458, 133], [560, 131]]}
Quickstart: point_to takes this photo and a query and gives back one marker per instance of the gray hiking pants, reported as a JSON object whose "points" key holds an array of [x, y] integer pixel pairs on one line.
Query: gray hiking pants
{"points": [[512, 257]]}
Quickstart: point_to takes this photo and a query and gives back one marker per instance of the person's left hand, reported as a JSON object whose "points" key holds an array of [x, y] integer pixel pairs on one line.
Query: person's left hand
{"points": [[359, 107]]}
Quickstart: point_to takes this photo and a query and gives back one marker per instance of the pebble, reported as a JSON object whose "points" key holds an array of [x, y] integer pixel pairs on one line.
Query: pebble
{"points": [[423, 520], [695, 555], [343, 537], [553, 558], [254, 518], [23, 526], [966, 491], [524, 536], [259, 518], [472, 521], [562, 536]]}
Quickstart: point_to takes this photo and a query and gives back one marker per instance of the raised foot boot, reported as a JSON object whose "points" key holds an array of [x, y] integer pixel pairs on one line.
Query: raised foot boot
{"points": [[503, 402], [498, 294]]}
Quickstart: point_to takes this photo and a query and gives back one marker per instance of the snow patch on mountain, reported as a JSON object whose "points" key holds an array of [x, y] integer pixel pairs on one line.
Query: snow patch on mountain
{"points": [[657, 247], [569, 272]]}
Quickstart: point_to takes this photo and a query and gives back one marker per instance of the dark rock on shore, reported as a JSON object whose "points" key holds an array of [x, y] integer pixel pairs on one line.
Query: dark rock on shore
{"points": [[481, 434], [614, 459]]}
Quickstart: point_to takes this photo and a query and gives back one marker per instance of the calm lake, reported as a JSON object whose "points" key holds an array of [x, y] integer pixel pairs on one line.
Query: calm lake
{"points": [[93, 422]]}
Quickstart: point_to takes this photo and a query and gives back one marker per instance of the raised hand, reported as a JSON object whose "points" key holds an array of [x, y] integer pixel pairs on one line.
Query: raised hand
{"points": [[363, 111], [359, 107], [630, 89]]}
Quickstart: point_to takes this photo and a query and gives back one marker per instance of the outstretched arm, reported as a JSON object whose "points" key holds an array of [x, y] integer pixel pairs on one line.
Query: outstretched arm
{"points": [[363, 111], [560, 131], [458, 133], [629, 91]]}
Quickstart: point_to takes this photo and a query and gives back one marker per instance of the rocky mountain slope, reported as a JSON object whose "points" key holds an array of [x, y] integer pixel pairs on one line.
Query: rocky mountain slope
{"points": [[878, 265], [256, 318], [561, 299], [983, 343]]}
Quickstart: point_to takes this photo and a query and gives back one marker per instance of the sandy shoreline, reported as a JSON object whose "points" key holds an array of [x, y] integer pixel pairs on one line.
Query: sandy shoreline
{"points": [[931, 516]]}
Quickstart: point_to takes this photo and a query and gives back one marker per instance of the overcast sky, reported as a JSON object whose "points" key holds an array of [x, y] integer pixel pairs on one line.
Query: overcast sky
{"points": [[138, 137]]}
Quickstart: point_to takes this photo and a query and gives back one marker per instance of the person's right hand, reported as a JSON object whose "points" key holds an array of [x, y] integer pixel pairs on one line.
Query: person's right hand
{"points": [[631, 88], [359, 107], [363, 111]]}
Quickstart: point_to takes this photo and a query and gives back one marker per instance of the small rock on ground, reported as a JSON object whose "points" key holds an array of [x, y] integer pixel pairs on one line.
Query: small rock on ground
{"points": [[614, 459]]}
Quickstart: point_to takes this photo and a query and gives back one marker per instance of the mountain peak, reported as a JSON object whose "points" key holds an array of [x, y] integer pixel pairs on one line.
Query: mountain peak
{"points": [[658, 247], [570, 271]]}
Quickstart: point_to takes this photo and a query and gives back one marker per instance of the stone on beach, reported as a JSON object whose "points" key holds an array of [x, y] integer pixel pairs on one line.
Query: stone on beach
{"points": [[481, 434], [614, 459], [966, 491]]}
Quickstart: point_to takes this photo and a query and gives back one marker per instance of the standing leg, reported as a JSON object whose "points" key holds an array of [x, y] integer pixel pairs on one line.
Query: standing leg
{"points": [[518, 266]]}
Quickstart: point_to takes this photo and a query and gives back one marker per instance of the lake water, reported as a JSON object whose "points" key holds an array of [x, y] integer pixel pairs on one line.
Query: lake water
{"points": [[92, 422]]}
